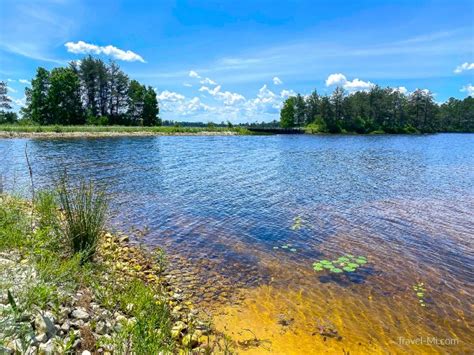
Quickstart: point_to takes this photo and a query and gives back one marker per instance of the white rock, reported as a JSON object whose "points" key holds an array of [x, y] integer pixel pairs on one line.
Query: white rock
{"points": [[66, 326], [48, 348], [80, 313], [41, 338]]}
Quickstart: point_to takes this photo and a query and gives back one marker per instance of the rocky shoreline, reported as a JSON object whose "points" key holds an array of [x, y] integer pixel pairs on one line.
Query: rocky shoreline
{"points": [[82, 323]]}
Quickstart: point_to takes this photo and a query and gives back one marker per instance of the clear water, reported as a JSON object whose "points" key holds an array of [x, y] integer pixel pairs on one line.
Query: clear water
{"points": [[221, 204]]}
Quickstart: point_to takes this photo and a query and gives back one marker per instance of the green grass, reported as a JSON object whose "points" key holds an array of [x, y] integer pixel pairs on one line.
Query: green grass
{"points": [[61, 272], [84, 208], [118, 129], [149, 314]]}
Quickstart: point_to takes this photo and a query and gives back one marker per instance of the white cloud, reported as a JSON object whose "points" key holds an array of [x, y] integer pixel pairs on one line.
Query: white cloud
{"points": [[463, 67], [24, 81], [193, 106], [352, 86], [9, 88], [11, 80], [114, 52], [357, 85], [187, 85], [194, 74], [287, 93], [265, 102], [18, 102], [169, 96], [208, 81], [402, 90], [469, 89], [229, 98], [213, 92], [277, 80], [335, 79]]}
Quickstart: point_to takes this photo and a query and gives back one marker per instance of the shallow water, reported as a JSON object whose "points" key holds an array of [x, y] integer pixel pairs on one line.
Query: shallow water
{"points": [[221, 204]]}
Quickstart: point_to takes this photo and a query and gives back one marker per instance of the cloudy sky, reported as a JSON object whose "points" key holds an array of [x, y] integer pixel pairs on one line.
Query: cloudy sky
{"points": [[237, 60]]}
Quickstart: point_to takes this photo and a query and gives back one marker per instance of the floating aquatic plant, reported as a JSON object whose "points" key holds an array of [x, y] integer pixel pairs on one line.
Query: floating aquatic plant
{"points": [[297, 223], [345, 263], [419, 289]]}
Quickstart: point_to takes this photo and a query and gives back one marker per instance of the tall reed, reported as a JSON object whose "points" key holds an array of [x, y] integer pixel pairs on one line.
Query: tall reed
{"points": [[84, 207]]}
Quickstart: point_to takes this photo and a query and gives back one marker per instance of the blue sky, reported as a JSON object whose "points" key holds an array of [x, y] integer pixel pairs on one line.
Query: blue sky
{"points": [[238, 60]]}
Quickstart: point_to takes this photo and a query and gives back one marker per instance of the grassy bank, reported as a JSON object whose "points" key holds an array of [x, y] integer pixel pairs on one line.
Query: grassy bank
{"points": [[103, 295], [19, 130]]}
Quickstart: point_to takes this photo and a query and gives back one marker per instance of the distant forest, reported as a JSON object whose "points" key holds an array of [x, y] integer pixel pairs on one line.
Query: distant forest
{"points": [[380, 110], [87, 91]]}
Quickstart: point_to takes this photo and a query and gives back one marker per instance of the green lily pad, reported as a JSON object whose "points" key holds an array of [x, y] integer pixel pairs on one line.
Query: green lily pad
{"points": [[342, 259], [293, 250], [325, 262], [348, 269], [361, 261], [284, 246], [328, 266], [336, 270], [353, 265], [275, 248], [318, 268], [420, 294]]}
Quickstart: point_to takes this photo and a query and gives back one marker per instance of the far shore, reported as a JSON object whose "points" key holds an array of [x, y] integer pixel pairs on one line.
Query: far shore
{"points": [[98, 134]]}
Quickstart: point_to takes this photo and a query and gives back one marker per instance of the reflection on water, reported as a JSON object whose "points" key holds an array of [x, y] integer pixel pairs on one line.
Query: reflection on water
{"points": [[221, 206]]}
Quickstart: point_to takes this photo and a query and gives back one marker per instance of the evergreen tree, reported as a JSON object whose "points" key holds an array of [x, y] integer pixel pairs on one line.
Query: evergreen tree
{"points": [[300, 111], [313, 103], [5, 101], [150, 108], [136, 100], [287, 113], [39, 109]]}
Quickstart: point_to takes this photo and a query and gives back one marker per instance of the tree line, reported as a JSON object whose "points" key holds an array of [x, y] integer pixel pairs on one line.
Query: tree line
{"points": [[89, 91], [377, 110]]}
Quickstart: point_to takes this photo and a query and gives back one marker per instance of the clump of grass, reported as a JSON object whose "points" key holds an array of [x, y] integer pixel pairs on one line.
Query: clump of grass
{"points": [[150, 330], [14, 223], [84, 208]]}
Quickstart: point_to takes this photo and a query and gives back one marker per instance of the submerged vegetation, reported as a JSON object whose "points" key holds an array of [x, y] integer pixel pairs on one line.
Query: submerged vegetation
{"points": [[420, 290], [378, 110]]}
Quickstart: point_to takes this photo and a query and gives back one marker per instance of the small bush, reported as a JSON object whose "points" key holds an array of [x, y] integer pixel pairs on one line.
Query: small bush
{"points": [[84, 209]]}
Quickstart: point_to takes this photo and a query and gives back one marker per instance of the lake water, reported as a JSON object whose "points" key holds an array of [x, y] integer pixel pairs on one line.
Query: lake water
{"points": [[224, 206]]}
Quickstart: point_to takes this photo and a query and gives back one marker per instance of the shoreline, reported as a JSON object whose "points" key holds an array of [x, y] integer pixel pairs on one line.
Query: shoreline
{"points": [[47, 135], [101, 307]]}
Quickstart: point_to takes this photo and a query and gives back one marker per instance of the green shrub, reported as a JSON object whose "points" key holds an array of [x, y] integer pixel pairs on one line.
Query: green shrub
{"points": [[84, 208]]}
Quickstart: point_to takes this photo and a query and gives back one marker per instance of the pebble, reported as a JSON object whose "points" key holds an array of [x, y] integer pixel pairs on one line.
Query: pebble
{"points": [[80, 313]]}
